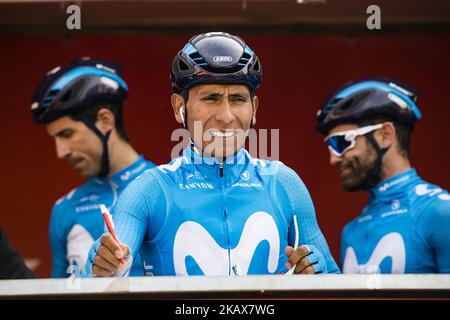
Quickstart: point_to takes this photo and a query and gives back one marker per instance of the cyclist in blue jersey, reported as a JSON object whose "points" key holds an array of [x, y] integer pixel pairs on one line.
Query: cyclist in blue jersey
{"points": [[404, 226], [215, 210], [81, 106]]}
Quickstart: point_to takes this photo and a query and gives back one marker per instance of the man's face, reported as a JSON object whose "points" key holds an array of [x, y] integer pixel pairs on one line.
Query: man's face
{"points": [[77, 144], [356, 164], [225, 112]]}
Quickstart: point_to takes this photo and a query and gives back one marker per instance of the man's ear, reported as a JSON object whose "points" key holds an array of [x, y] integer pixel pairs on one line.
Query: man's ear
{"points": [[386, 135], [105, 120], [255, 108], [177, 102]]}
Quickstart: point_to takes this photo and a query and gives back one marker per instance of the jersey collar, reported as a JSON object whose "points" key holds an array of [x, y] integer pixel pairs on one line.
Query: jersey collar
{"points": [[394, 186], [232, 166], [124, 176]]}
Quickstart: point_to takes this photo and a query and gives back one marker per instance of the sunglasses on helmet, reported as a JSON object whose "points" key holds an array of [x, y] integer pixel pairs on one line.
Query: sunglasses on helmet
{"points": [[340, 142]]}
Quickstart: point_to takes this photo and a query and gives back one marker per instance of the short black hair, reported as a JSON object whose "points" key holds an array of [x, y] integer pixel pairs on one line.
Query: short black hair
{"points": [[117, 110], [403, 131]]}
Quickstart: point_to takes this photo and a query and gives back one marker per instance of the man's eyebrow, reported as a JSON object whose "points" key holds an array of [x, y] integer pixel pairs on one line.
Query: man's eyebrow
{"points": [[63, 132], [240, 94], [211, 95]]}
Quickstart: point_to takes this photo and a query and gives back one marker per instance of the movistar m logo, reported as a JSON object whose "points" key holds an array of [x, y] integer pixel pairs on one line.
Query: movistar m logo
{"points": [[193, 240], [391, 245]]}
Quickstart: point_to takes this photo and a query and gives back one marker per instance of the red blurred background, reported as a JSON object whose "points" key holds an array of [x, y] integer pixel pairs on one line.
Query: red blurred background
{"points": [[298, 73]]}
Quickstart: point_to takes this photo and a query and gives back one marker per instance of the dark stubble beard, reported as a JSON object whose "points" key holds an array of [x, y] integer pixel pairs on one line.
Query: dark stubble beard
{"points": [[357, 178]]}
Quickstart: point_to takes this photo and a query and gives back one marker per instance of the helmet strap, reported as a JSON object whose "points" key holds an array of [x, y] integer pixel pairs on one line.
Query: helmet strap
{"points": [[375, 173], [252, 95], [105, 165], [184, 115]]}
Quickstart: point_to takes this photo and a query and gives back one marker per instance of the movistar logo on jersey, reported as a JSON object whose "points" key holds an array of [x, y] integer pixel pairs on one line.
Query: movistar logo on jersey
{"points": [[193, 240], [87, 208], [90, 198], [388, 185], [197, 175], [391, 245]]}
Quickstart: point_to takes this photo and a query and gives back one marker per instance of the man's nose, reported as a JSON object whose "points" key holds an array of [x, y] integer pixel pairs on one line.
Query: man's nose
{"points": [[62, 149], [224, 114], [334, 160]]}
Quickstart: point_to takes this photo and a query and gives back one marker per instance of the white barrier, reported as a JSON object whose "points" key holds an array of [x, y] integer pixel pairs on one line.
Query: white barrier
{"points": [[244, 286]]}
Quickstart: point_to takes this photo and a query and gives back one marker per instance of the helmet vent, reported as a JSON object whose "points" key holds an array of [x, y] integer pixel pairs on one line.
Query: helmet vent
{"points": [[72, 91], [256, 67], [182, 65], [66, 96], [198, 59], [244, 59], [354, 101]]}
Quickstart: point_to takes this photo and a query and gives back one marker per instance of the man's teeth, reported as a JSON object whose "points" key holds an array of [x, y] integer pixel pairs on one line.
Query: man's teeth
{"points": [[221, 134]]}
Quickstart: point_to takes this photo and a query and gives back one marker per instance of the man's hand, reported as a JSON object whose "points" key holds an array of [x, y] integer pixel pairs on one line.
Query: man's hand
{"points": [[307, 259], [107, 258]]}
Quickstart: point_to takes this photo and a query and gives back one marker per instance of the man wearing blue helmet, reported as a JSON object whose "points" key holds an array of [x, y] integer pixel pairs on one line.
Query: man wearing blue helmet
{"points": [[404, 227], [215, 210], [81, 106]]}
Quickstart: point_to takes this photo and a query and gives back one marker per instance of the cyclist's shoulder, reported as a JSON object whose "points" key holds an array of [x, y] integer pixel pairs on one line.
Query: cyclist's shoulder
{"points": [[424, 195], [281, 173], [171, 171], [271, 168], [427, 200], [281, 177], [146, 182], [90, 190]]}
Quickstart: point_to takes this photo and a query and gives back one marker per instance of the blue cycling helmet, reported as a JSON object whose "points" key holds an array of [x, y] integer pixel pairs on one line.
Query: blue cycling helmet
{"points": [[367, 98], [70, 89], [215, 57]]}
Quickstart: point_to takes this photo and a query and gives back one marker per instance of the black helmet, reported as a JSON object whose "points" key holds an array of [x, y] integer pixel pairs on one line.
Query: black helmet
{"points": [[366, 98], [215, 57], [68, 90]]}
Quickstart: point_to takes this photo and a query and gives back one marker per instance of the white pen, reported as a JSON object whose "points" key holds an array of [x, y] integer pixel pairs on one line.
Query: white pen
{"points": [[291, 271]]}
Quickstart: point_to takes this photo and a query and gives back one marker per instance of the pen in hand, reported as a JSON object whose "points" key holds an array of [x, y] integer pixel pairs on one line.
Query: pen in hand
{"points": [[110, 225]]}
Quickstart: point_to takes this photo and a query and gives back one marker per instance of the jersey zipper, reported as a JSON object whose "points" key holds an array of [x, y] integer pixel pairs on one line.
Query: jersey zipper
{"points": [[114, 188], [221, 169], [230, 268]]}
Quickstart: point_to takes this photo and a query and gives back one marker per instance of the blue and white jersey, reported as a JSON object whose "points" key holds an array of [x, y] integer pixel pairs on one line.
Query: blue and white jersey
{"points": [[405, 228], [76, 219], [192, 217]]}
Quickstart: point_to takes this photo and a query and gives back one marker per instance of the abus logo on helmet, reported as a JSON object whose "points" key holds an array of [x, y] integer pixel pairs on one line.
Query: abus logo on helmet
{"points": [[222, 59]]}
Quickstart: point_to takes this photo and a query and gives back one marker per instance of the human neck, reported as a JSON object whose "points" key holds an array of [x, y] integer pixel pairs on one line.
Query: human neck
{"points": [[393, 165], [121, 155]]}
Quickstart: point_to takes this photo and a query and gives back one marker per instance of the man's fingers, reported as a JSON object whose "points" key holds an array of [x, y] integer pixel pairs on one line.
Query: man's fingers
{"points": [[296, 256], [309, 270], [302, 251], [108, 256], [289, 250], [303, 264], [112, 245], [100, 271], [102, 263]]}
